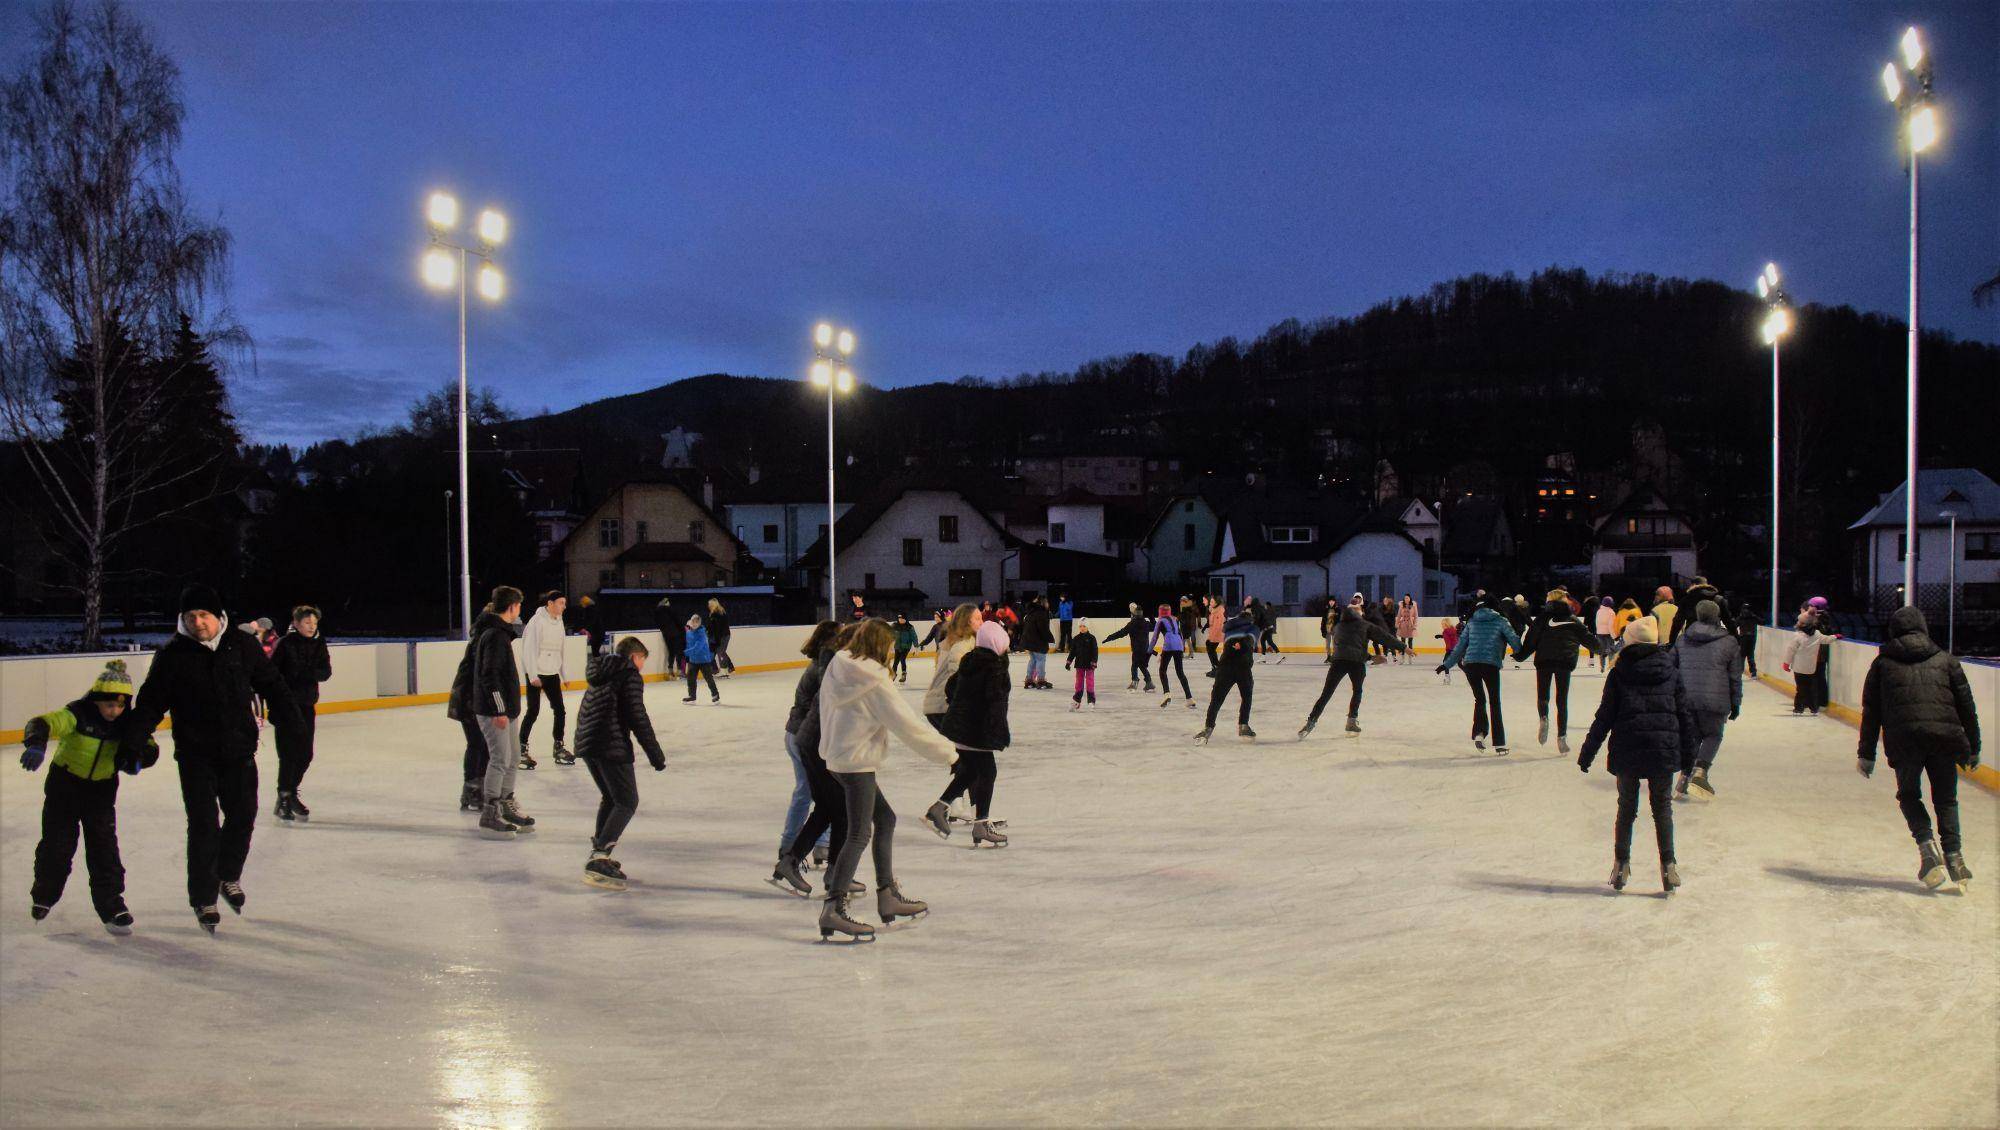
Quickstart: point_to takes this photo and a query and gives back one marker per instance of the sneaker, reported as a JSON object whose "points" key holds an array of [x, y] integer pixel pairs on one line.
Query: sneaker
{"points": [[603, 872]]}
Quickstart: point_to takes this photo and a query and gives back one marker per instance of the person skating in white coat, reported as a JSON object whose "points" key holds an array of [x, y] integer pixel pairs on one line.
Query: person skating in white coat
{"points": [[542, 649]]}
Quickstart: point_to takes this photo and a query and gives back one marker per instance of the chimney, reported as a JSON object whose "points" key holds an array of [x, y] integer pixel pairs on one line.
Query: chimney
{"points": [[708, 492], [756, 473]]}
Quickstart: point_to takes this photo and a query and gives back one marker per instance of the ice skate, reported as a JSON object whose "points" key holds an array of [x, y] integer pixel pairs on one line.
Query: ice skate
{"points": [[715, 700], [1562, 743], [39, 912], [1149, 689], [1354, 727], [1191, 705], [1076, 706], [1133, 685], [1479, 742], [118, 923], [209, 917], [510, 810], [787, 878], [1501, 751], [688, 701], [1542, 738], [1306, 730], [1930, 865], [1166, 702], [563, 756], [232, 893], [492, 824], [471, 798], [1201, 735], [891, 903], [983, 834], [833, 917], [601, 871], [1954, 863], [1681, 786], [526, 761], [1246, 733], [299, 808], [1698, 786], [1670, 877], [1621, 873], [283, 809], [938, 819]]}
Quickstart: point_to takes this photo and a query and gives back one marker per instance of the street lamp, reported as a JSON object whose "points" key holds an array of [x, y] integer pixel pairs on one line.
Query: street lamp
{"points": [[440, 270], [1951, 583], [1920, 127], [831, 349], [1777, 323]]}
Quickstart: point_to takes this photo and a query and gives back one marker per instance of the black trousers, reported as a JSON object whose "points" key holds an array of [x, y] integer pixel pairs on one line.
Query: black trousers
{"points": [[975, 773], [1748, 647], [1355, 670], [1175, 658], [722, 660], [1226, 677], [295, 750], [70, 805], [1142, 663], [706, 671], [1212, 645], [220, 795], [829, 810], [900, 663], [1809, 692], [1660, 794], [1559, 682], [1267, 640], [475, 749], [674, 656], [618, 799], [550, 685], [1485, 681], [1942, 769], [1062, 642], [871, 824]]}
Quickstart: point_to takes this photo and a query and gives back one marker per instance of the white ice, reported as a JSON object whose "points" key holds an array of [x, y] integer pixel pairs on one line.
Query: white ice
{"points": [[1386, 930]]}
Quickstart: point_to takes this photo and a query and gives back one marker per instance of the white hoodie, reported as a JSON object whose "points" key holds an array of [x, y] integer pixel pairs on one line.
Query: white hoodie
{"points": [[859, 707], [542, 643], [1802, 651]]}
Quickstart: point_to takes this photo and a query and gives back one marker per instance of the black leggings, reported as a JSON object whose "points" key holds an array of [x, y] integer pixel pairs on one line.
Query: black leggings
{"points": [[618, 796], [1485, 681], [1660, 791], [72, 804], [706, 671], [1212, 645], [1175, 657], [1232, 676], [1352, 669], [475, 749], [1142, 667], [829, 810], [975, 773], [1561, 681], [870, 823], [550, 685], [900, 663], [1942, 769], [295, 748]]}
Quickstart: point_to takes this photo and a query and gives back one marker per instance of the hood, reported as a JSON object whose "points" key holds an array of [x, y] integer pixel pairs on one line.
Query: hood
{"points": [[992, 637], [1909, 637], [180, 629], [1486, 612], [1704, 632], [1646, 664], [604, 669], [545, 617], [487, 621], [848, 679]]}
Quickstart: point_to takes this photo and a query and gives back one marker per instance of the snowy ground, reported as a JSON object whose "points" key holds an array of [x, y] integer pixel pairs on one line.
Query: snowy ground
{"points": [[1386, 930]]}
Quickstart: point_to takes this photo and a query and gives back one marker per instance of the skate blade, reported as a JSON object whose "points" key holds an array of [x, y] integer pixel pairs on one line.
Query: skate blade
{"points": [[943, 833], [836, 938], [496, 834], [989, 844], [1700, 795], [604, 882], [788, 888], [117, 931], [1934, 879], [905, 922]]}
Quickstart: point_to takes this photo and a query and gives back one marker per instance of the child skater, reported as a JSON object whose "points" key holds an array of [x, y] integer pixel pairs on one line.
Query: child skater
{"points": [[1917, 700], [1173, 646], [1804, 653], [976, 723], [906, 638], [700, 660], [613, 713], [1351, 639], [92, 746], [1448, 632], [1083, 657], [1644, 713]]}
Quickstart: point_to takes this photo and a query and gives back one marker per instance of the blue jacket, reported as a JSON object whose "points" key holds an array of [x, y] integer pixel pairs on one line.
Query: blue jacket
{"points": [[1167, 635], [1065, 611], [697, 646], [1486, 638]]}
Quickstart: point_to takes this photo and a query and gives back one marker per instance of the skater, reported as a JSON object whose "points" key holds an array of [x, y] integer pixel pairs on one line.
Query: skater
{"points": [[1448, 632], [590, 618], [1167, 637], [857, 609], [804, 695], [906, 638], [1235, 668], [976, 723], [1606, 625], [1664, 612], [1214, 626], [958, 638], [700, 660], [1036, 641], [1135, 631], [1698, 591], [1917, 700], [1083, 657], [859, 709], [301, 660], [1645, 716], [1266, 619], [1065, 620], [93, 745], [1382, 614], [612, 715], [205, 677], [487, 689], [1328, 621], [1804, 654], [1627, 612], [1711, 673], [938, 622], [1406, 627], [1746, 636], [1554, 640], [673, 635], [542, 649], [1189, 616], [825, 827], [1352, 637], [718, 638], [1481, 648]]}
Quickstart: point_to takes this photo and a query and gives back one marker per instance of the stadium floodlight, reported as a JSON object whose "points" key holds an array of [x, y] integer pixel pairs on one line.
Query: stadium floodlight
{"points": [[492, 228], [822, 374], [1913, 49], [440, 271], [490, 282], [1919, 119], [822, 335], [1777, 323], [846, 343], [443, 211], [846, 381], [1923, 128], [1892, 83], [831, 346]]}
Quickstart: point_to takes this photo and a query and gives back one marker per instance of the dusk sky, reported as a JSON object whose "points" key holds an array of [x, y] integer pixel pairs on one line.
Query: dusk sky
{"points": [[992, 189]]}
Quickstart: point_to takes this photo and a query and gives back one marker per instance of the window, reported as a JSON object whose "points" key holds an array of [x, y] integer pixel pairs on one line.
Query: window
{"points": [[1058, 532], [1361, 585], [606, 578], [1433, 589], [675, 577], [1385, 585], [947, 528], [1290, 587], [1187, 507], [770, 534], [964, 582], [1187, 536], [1982, 547], [1288, 535], [638, 531], [607, 533], [1659, 567], [868, 580], [913, 551], [697, 532]]}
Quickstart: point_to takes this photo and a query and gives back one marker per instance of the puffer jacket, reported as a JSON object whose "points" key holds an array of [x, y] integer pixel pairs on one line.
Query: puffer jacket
{"points": [[1216, 618], [208, 691], [1645, 715], [86, 744], [977, 716], [1486, 638], [1351, 636], [935, 698], [1607, 621], [906, 636], [859, 707], [488, 683], [696, 648], [1916, 699], [1135, 629], [613, 713], [1711, 669], [1691, 602], [806, 692], [1167, 636], [1035, 634], [1082, 652], [303, 663], [1555, 637]]}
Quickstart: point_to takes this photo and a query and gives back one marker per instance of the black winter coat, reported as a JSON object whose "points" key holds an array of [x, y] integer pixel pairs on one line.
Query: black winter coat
{"points": [[1190, 625], [1138, 629], [1554, 639], [1917, 699], [976, 717], [1690, 601], [1711, 669], [302, 662], [209, 692], [488, 683], [1351, 636], [718, 631], [806, 694], [614, 712], [1082, 652], [1645, 715], [672, 626], [1035, 634]]}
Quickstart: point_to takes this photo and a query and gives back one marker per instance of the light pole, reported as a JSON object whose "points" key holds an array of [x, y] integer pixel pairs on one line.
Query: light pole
{"points": [[441, 270], [449, 572], [1920, 127], [1951, 583], [1777, 323], [831, 349]]}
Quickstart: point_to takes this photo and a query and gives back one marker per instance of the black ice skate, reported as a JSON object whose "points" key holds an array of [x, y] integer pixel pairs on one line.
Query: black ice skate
{"points": [[891, 903], [1954, 862], [39, 912], [232, 893], [1354, 727], [1201, 736], [1133, 685], [283, 809], [1698, 786], [563, 756], [1621, 873], [492, 824], [119, 922], [511, 811], [1246, 733], [819, 856], [526, 762], [1930, 865], [472, 797], [299, 808], [1670, 877], [787, 878], [1501, 750], [208, 917], [938, 818], [983, 835], [1681, 786], [833, 917], [1306, 730], [602, 871]]}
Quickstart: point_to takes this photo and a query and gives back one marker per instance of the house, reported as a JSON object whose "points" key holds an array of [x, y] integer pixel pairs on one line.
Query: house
{"points": [[1295, 548], [1422, 524], [778, 516], [1880, 538], [651, 533], [1107, 476], [1181, 542], [549, 485], [910, 546], [1477, 545], [1641, 541]]}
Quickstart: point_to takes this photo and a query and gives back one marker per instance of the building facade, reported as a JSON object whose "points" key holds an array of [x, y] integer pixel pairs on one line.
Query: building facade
{"points": [[650, 535]]}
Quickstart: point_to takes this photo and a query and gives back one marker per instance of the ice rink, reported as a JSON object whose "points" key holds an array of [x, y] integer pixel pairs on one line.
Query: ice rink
{"points": [[1383, 930]]}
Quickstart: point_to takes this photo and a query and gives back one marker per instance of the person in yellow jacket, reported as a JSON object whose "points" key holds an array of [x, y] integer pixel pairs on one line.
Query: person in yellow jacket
{"points": [[1627, 612], [92, 745]]}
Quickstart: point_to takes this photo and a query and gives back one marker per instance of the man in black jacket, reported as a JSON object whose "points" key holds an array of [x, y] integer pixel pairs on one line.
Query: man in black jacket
{"points": [[1350, 639], [1036, 639], [673, 634], [301, 660], [487, 690], [612, 715], [206, 677], [1138, 631], [1917, 701]]}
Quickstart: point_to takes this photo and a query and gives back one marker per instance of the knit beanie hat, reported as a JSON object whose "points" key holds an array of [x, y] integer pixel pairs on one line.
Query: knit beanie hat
{"points": [[1817, 603], [200, 598], [1557, 594], [113, 684], [1708, 612], [992, 637], [1642, 630]]}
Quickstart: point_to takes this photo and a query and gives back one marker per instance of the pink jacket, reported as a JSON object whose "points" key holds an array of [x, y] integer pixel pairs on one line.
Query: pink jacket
{"points": [[1215, 618], [1406, 620]]}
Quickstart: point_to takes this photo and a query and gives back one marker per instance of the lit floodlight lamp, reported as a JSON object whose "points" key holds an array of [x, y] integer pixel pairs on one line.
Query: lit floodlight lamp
{"points": [[1923, 129], [823, 335], [443, 211], [1771, 273], [491, 283], [1777, 325], [492, 228], [1892, 83], [846, 381], [1763, 287], [1913, 49], [846, 343], [822, 374], [439, 271]]}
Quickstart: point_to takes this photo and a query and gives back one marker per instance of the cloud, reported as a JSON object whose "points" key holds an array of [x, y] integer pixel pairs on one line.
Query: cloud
{"points": [[301, 401]]}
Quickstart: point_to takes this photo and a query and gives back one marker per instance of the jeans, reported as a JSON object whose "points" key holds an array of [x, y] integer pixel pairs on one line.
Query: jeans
{"points": [[795, 814], [1605, 651], [900, 662], [550, 685], [1352, 669], [1659, 792], [1708, 730], [295, 750], [618, 799], [1543, 681], [503, 755], [1086, 684], [1038, 667], [1226, 677], [975, 772], [217, 848], [70, 805], [870, 823], [1942, 769], [1179, 670], [1485, 681]]}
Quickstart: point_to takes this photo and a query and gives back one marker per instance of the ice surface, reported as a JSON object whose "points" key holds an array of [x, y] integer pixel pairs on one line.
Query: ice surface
{"points": [[1386, 930]]}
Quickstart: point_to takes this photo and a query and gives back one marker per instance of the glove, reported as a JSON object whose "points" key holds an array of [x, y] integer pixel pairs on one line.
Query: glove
{"points": [[1786, 666], [1735, 712], [660, 765], [31, 757], [1864, 766], [1440, 669]]}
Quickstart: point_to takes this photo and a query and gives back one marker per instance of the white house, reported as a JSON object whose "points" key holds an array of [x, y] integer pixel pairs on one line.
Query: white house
{"points": [[1295, 549], [914, 547], [1880, 538]]}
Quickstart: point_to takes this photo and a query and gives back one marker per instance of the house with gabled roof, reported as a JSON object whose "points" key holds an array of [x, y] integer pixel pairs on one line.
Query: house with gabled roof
{"points": [[1881, 537], [650, 532], [1295, 547], [911, 545]]}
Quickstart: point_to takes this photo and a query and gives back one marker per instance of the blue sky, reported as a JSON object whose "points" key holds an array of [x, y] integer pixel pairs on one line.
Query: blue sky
{"points": [[992, 189]]}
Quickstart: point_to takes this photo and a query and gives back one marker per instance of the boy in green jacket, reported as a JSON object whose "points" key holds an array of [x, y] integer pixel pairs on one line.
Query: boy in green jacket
{"points": [[92, 746]]}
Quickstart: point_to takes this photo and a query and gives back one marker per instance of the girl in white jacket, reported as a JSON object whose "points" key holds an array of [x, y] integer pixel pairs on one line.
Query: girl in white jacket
{"points": [[859, 708], [1809, 692], [542, 655]]}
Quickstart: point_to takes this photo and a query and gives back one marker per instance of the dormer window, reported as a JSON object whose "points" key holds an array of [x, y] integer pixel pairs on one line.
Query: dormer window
{"points": [[1289, 535]]}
